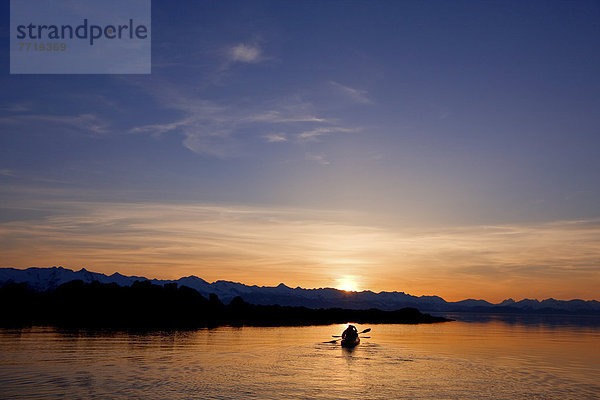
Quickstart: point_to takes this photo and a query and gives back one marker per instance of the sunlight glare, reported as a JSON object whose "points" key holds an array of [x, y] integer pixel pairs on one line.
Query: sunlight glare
{"points": [[347, 283]]}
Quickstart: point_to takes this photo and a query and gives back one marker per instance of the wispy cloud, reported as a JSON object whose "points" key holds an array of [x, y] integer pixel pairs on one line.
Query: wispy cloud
{"points": [[7, 172], [15, 108], [83, 123], [356, 95], [275, 138], [245, 53], [317, 133], [287, 114], [159, 129], [318, 158], [211, 128]]}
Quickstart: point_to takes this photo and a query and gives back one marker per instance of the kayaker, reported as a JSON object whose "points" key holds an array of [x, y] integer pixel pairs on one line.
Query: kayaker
{"points": [[350, 333]]}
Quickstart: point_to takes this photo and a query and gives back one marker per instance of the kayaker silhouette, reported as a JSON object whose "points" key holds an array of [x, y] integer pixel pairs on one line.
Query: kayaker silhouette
{"points": [[350, 334]]}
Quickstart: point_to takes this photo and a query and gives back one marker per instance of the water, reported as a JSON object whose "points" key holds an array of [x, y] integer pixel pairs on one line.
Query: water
{"points": [[500, 359]]}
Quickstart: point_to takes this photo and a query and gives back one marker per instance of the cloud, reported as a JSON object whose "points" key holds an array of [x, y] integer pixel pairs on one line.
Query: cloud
{"points": [[217, 143], [15, 108], [287, 114], [159, 129], [356, 95], [7, 172], [245, 53], [318, 158], [275, 138], [211, 128], [316, 134], [86, 123], [207, 128]]}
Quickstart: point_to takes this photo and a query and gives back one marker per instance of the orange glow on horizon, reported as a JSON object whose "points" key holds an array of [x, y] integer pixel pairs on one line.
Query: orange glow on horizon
{"points": [[312, 249]]}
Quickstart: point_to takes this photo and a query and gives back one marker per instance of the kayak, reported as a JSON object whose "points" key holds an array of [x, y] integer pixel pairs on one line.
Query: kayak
{"points": [[350, 342]]}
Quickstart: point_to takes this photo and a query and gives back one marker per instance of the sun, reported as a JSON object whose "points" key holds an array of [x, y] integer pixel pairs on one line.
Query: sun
{"points": [[347, 283]]}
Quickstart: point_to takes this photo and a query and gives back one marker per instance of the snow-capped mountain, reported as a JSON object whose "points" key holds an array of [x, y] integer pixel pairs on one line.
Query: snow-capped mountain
{"points": [[41, 279], [50, 278]]}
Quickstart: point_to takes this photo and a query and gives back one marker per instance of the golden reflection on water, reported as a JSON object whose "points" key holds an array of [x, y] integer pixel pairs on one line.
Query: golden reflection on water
{"points": [[451, 360]]}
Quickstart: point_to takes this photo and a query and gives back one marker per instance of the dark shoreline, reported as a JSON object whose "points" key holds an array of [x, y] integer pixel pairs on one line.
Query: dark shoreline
{"points": [[146, 306]]}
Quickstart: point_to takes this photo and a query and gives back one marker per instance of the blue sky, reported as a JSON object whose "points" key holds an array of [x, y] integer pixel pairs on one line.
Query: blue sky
{"points": [[415, 120]]}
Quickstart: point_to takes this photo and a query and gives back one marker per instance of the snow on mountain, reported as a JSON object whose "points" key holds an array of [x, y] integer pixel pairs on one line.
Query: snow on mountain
{"points": [[50, 278]]}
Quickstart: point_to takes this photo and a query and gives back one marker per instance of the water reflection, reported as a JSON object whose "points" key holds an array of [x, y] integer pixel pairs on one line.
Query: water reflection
{"points": [[348, 351], [490, 358]]}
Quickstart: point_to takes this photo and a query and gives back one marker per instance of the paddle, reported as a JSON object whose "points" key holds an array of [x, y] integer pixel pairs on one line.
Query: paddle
{"points": [[332, 341]]}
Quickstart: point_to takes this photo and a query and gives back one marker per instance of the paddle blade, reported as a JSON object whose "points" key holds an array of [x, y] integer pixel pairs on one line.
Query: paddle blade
{"points": [[332, 341], [366, 330], [335, 336]]}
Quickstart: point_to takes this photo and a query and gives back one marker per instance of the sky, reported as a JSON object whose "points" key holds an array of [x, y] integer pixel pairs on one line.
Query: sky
{"points": [[430, 147]]}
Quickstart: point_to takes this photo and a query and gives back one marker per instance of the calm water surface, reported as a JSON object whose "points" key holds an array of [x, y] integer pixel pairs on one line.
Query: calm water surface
{"points": [[499, 359]]}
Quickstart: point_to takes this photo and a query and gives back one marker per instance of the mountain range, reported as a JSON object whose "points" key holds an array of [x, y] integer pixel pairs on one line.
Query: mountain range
{"points": [[42, 279]]}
